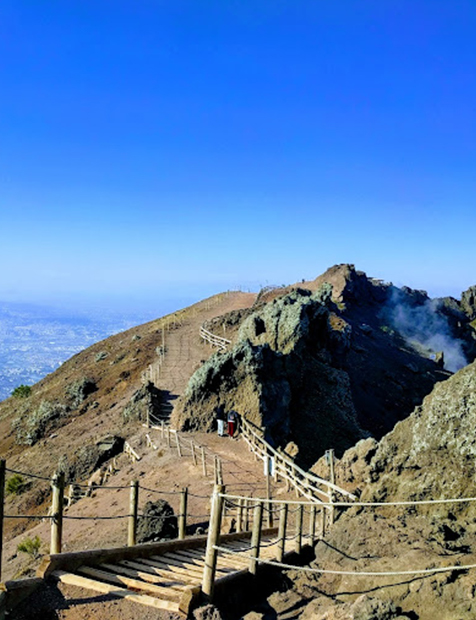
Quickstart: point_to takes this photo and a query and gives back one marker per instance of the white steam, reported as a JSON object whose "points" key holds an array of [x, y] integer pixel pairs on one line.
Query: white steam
{"points": [[425, 328]]}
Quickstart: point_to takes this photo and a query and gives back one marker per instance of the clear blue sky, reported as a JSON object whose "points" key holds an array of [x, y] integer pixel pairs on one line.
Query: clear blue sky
{"points": [[149, 148]]}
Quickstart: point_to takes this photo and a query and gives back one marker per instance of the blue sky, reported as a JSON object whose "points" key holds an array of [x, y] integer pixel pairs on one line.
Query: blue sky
{"points": [[154, 150]]}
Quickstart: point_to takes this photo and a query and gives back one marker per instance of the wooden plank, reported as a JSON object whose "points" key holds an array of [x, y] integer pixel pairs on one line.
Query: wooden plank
{"points": [[177, 555], [171, 564], [185, 577], [177, 566], [104, 588], [92, 557], [145, 576], [121, 580]]}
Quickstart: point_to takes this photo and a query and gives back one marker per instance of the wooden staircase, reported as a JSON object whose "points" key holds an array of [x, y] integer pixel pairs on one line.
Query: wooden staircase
{"points": [[164, 576]]}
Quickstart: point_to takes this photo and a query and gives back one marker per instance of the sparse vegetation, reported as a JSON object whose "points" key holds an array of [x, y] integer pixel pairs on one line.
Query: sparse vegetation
{"points": [[387, 330], [30, 427], [80, 390], [15, 485], [101, 356], [22, 391], [31, 546]]}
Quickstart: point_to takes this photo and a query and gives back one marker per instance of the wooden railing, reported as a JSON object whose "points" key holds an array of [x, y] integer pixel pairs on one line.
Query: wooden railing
{"points": [[306, 484], [201, 457], [215, 341]]}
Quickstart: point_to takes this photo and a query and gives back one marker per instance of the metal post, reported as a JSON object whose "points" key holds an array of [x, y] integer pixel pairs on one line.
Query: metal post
{"points": [[133, 507], [211, 553], [256, 536], [269, 504], [2, 499], [57, 482], [182, 521], [299, 521], [283, 520]]}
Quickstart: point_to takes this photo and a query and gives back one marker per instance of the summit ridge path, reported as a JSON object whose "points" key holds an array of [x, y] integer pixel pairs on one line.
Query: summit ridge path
{"points": [[185, 350]]}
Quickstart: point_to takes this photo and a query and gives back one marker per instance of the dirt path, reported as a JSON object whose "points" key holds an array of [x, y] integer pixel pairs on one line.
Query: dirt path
{"points": [[185, 350]]}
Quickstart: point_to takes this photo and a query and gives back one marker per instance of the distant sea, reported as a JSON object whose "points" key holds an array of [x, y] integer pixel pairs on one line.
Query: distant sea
{"points": [[35, 340]]}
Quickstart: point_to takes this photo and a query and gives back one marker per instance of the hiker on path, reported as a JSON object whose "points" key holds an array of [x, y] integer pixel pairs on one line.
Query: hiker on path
{"points": [[232, 423], [220, 417]]}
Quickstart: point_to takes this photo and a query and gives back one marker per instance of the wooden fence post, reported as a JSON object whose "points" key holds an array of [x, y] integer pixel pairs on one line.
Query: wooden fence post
{"points": [[211, 553], [256, 536], [215, 469], [177, 442], [57, 482], [247, 515], [2, 498], [194, 456], [323, 522], [162, 425], [312, 524], [182, 524], [220, 471], [204, 461], [168, 437], [133, 506], [283, 520], [239, 516], [299, 521]]}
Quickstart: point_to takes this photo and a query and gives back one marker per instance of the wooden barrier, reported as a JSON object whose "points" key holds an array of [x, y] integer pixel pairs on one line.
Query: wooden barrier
{"points": [[57, 505], [306, 484], [130, 452], [133, 512], [215, 341], [182, 518], [256, 536], [211, 553]]}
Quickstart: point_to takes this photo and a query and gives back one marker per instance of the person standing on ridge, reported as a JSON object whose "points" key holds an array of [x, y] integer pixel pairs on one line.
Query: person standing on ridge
{"points": [[220, 417], [232, 423]]}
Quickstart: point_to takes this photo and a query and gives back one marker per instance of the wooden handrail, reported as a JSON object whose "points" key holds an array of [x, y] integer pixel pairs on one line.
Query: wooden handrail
{"points": [[216, 341], [314, 484]]}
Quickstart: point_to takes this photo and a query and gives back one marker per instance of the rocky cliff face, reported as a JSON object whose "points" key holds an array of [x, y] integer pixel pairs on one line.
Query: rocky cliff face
{"points": [[283, 374], [325, 365], [430, 455]]}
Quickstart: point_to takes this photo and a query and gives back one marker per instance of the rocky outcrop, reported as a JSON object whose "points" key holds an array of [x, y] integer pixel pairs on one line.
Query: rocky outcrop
{"points": [[157, 523], [284, 375], [145, 402], [468, 302], [430, 455]]}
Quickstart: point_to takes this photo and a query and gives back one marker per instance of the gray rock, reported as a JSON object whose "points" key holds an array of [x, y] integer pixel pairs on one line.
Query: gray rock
{"points": [[158, 522]]}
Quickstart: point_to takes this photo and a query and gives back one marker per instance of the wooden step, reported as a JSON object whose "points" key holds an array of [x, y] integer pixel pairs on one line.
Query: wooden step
{"points": [[136, 584], [183, 577], [169, 582], [105, 588]]}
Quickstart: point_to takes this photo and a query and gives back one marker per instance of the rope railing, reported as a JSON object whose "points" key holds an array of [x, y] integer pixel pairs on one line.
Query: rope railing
{"points": [[324, 571]]}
